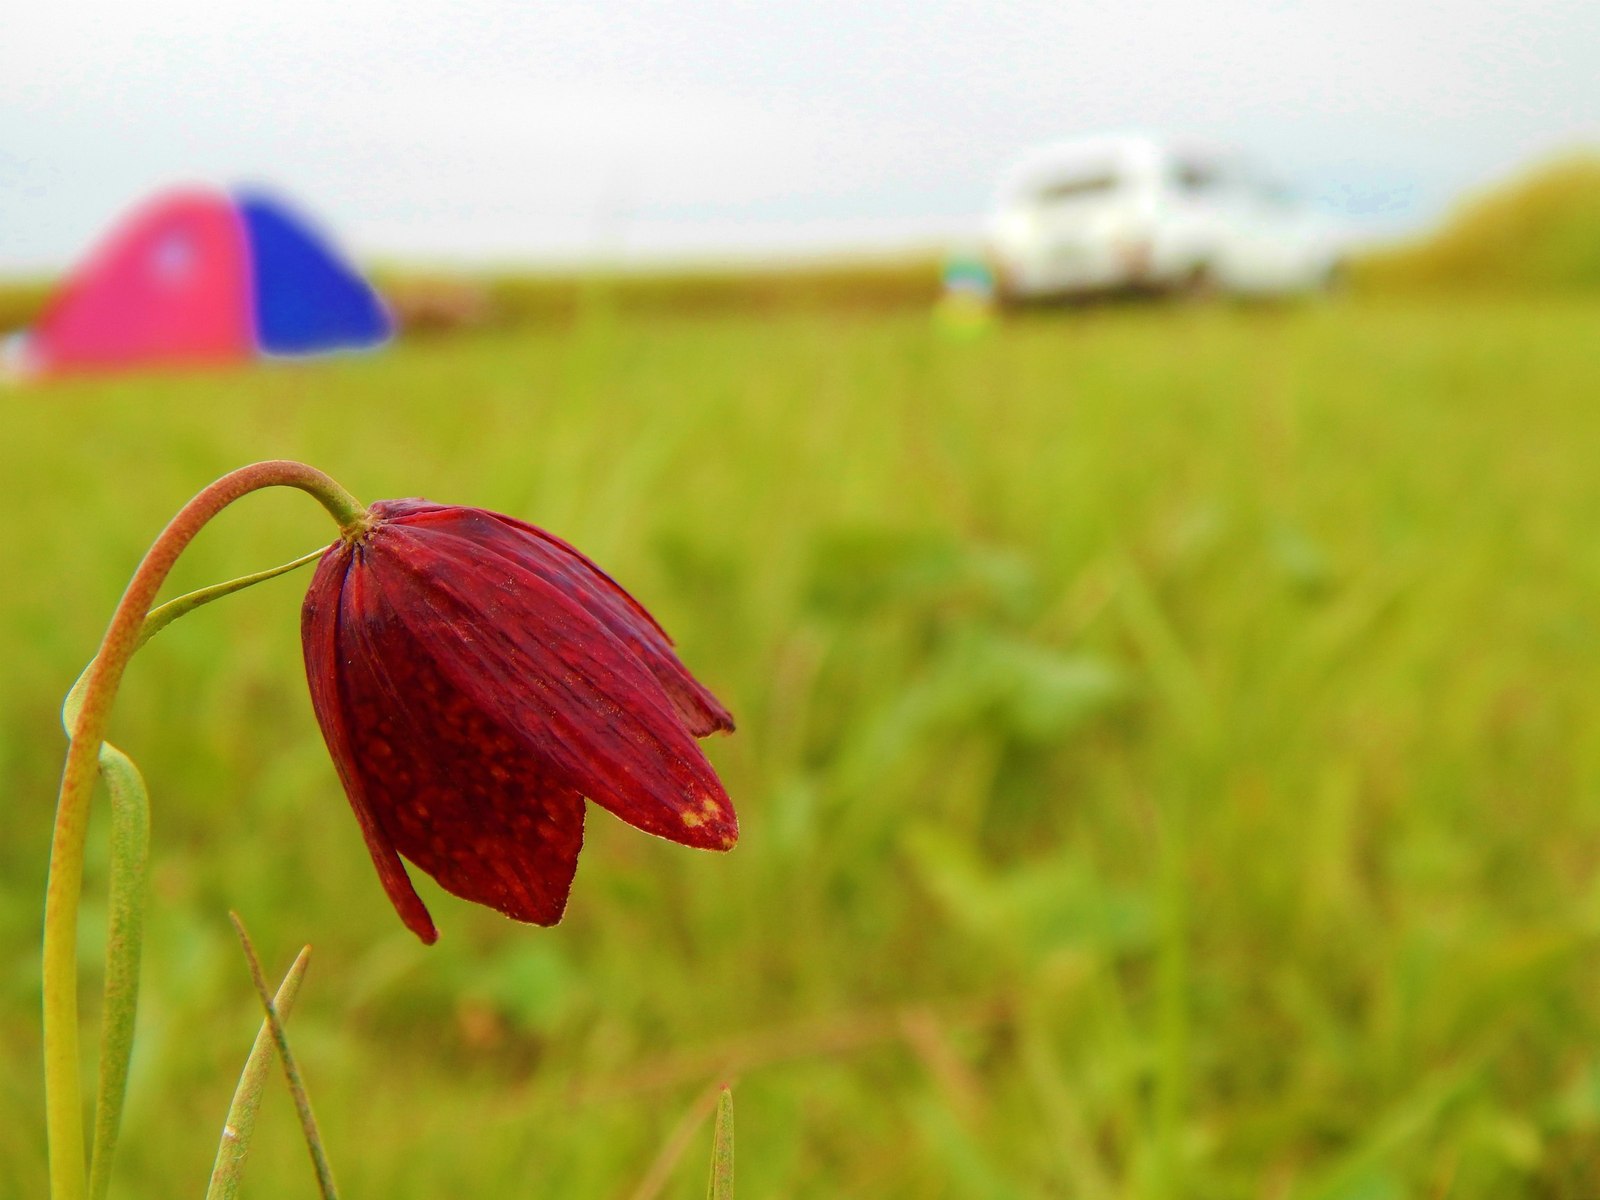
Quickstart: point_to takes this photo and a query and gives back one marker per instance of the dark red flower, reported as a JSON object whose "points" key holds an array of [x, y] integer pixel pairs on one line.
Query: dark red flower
{"points": [[475, 679]]}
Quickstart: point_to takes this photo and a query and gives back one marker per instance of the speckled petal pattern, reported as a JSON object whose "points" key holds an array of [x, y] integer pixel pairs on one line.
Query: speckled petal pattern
{"points": [[475, 679]]}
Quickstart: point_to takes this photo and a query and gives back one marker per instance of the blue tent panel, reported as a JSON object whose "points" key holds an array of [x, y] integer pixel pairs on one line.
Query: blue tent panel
{"points": [[307, 299]]}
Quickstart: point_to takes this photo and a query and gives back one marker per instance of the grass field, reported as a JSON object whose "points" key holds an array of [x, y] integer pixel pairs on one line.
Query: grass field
{"points": [[1168, 759]]}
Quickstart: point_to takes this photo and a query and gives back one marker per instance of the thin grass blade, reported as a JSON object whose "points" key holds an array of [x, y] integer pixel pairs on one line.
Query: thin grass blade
{"points": [[241, 1123], [672, 1150], [291, 1070], [722, 1150]]}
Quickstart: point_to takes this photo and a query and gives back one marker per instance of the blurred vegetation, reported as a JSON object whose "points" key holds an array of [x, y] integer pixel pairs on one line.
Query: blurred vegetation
{"points": [[432, 303], [21, 300], [1168, 743], [1539, 233], [427, 304]]}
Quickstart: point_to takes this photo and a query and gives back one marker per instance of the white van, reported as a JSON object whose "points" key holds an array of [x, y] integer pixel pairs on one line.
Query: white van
{"points": [[1134, 213]]}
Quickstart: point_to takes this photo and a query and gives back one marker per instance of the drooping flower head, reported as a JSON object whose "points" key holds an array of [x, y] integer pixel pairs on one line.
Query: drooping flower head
{"points": [[476, 679]]}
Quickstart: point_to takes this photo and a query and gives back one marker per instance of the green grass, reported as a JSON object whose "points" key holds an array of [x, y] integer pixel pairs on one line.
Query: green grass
{"points": [[1168, 756], [1537, 233]]}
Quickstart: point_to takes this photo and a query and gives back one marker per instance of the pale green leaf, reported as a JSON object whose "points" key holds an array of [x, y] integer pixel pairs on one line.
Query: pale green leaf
{"points": [[130, 846]]}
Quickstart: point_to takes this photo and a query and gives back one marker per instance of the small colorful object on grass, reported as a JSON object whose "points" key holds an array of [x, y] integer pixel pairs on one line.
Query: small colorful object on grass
{"points": [[967, 303]]}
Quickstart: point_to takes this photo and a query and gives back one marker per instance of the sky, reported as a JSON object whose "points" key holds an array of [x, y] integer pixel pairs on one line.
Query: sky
{"points": [[475, 132]]}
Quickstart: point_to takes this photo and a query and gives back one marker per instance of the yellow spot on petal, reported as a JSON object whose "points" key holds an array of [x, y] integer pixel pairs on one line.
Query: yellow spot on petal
{"points": [[728, 842], [710, 807], [692, 820]]}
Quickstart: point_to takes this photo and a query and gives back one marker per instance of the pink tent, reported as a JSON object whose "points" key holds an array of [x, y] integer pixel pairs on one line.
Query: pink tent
{"points": [[165, 288], [197, 277]]}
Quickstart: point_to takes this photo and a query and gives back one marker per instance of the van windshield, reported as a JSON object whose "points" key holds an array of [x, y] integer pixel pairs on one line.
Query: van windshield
{"points": [[1060, 191]]}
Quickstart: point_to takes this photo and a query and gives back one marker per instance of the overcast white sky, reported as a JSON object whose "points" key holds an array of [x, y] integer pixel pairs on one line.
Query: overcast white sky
{"points": [[530, 131]]}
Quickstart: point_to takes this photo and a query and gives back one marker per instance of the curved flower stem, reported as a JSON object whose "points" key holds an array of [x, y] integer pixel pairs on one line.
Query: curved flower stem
{"points": [[63, 1095], [130, 824]]}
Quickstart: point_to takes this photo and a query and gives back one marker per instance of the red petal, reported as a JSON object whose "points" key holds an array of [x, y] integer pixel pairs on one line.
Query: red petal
{"points": [[457, 793], [624, 616], [514, 644], [565, 567], [319, 635]]}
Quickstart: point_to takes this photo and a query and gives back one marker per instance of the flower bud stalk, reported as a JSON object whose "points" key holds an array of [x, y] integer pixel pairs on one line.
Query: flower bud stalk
{"points": [[63, 1096]]}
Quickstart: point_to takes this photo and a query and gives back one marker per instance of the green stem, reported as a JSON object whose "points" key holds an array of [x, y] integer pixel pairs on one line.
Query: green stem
{"points": [[130, 822], [63, 1094]]}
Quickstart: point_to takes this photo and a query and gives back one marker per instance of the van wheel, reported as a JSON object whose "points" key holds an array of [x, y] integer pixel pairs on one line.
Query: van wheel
{"points": [[1199, 285]]}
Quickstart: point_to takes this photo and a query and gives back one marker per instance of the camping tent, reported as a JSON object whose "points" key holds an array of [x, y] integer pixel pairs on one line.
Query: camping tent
{"points": [[200, 276]]}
